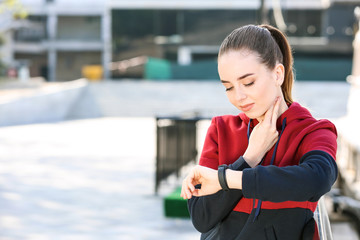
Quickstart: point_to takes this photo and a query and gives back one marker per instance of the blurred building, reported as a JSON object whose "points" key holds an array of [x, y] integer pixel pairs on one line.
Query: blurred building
{"points": [[179, 39], [188, 33], [61, 37]]}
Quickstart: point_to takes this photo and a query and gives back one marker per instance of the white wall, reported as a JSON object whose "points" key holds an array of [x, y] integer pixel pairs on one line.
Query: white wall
{"points": [[49, 104]]}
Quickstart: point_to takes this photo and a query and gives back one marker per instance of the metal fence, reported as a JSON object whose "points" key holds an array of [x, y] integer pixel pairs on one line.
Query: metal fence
{"points": [[322, 219], [176, 146]]}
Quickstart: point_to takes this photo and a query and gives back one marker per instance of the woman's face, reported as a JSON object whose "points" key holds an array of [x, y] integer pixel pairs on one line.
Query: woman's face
{"points": [[250, 85]]}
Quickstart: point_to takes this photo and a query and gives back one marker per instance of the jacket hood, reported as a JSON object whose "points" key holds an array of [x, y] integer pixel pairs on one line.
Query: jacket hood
{"points": [[293, 113]]}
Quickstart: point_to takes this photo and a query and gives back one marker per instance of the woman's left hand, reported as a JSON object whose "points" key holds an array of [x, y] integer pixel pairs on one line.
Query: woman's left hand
{"points": [[264, 136], [207, 177]]}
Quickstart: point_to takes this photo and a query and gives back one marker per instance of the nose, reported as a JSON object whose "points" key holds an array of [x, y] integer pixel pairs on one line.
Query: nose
{"points": [[239, 94]]}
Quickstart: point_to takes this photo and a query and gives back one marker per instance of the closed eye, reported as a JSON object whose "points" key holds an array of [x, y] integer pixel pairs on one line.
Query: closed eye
{"points": [[228, 89], [248, 84]]}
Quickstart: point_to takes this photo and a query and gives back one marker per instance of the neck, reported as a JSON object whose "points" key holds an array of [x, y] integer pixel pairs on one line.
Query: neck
{"points": [[282, 108]]}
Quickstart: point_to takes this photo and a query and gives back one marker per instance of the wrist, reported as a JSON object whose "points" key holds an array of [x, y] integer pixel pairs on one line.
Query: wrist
{"points": [[251, 160], [239, 165], [234, 179]]}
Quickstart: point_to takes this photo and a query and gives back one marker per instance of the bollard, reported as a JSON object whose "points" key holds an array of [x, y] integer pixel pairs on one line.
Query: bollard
{"points": [[24, 74]]}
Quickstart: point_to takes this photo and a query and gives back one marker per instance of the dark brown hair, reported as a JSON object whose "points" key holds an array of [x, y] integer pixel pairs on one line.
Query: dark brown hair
{"points": [[272, 47]]}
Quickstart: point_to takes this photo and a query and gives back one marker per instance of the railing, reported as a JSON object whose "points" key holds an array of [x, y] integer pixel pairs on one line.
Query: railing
{"points": [[176, 146], [322, 219]]}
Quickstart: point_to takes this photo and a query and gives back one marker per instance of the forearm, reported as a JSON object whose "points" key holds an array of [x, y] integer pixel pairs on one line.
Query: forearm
{"points": [[305, 182], [209, 210]]}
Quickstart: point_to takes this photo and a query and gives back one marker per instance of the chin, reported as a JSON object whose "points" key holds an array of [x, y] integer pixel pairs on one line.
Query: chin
{"points": [[253, 115]]}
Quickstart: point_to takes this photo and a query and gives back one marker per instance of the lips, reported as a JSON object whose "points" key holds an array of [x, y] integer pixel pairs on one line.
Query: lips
{"points": [[247, 107]]}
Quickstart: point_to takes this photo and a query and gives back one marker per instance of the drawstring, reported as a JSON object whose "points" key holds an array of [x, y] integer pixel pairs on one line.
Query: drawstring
{"points": [[248, 130], [282, 130], [257, 212]]}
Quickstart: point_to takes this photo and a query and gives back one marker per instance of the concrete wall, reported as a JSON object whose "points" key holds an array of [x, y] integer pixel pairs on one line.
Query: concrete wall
{"points": [[48, 104], [80, 99]]}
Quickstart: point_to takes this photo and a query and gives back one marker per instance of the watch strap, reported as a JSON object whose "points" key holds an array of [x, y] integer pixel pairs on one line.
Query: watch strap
{"points": [[222, 177]]}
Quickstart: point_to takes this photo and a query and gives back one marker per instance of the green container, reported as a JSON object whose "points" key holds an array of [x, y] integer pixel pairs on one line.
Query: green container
{"points": [[157, 69], [175, 206]]}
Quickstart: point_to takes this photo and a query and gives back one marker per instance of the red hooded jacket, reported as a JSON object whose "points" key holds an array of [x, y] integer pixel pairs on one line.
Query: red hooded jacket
{"points": [[302, 171]]}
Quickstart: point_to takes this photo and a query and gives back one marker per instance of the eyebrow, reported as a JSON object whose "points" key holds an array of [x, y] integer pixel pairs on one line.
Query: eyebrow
{"points": [[239, 78]]}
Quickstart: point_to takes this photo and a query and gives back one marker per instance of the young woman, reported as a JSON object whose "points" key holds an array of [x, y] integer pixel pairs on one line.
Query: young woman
{"points": [[261, 172]]}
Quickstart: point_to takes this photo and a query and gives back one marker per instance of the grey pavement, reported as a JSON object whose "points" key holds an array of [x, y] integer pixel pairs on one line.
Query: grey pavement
{"points": [[92, 176], [85, 179]]}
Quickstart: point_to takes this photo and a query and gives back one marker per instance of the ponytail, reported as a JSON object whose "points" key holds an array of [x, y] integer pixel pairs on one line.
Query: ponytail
{"points": [[287, 61], [272, 47]]}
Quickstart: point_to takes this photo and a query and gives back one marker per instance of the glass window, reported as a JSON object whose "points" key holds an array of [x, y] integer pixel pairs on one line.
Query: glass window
{"points": [[156, 32], [35, 31]]}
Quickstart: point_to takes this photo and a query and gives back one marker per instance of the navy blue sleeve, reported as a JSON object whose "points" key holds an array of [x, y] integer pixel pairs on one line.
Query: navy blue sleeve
{"points": [[308, 181], [208, 211]]}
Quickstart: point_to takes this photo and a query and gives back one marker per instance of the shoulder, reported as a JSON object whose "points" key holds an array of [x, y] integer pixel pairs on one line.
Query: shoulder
{"points": [[320, 126], [227, 121], [303, 119], [321, 135], [223, 128], [311, 134]]}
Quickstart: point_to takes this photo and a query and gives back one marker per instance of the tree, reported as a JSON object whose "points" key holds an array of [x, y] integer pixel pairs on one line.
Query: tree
{"points": [[15, 7], [10, 10]]}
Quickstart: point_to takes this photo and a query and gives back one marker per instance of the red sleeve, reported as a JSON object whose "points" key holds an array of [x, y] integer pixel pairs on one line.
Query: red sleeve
{"points": [[210, 154], [323, 139]]}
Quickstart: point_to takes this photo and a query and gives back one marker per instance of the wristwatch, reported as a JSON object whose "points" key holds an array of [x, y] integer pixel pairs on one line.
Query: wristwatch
{"points": [[222, 177]]}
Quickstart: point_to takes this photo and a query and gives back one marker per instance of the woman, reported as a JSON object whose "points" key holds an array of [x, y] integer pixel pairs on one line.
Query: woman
{"points": [[262, 172]]}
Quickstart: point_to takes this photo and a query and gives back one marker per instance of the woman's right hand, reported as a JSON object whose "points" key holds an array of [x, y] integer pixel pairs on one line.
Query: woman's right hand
{"points": [[263, 136], [207, 177]]}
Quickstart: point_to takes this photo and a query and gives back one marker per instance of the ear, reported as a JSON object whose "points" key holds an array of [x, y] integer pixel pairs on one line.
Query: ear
{"points": [[279, 72]]}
